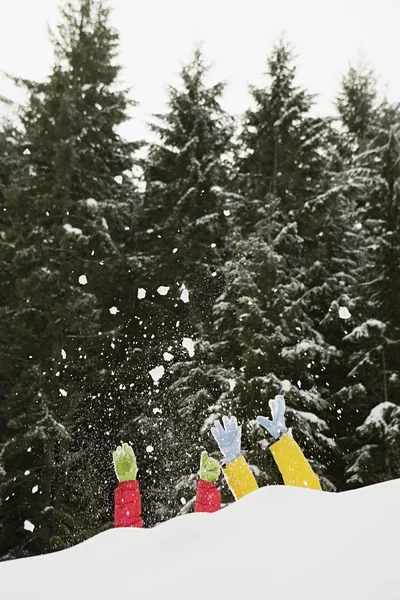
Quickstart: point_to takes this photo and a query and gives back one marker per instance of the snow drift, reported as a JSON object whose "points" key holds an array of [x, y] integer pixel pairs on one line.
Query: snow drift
{"points": [[279, 542]]}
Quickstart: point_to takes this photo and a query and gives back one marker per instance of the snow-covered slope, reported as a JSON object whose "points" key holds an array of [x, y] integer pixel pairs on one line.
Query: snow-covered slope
{"points": [[279, 542]]}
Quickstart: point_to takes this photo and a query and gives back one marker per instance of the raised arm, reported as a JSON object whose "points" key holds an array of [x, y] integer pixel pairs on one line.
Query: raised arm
{"points": [[293, 465], [208, 498], [237, 472], [127, 502]]}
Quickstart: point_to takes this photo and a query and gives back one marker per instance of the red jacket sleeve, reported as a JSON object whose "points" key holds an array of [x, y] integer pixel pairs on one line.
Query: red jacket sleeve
{"points": [[208, 498], [128, 507]]}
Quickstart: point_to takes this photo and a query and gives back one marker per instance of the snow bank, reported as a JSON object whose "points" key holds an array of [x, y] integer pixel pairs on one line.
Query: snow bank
{"points": [[279, 542]]}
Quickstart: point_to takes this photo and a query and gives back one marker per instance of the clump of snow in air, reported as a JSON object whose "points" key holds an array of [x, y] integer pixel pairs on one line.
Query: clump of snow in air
{"points": [[318, 523], [163, 290], [175, 250], [74, 230], [35, 489], [227, 212], [213, 245], [149, 449], [183, 501], [156, 410], [157, 373], [118, 179], [82, 279], [27, 472], [344, 312], [63, 392], [28, 526], [113, 310], [104, 223], [26, 152], [184, 294], [92, 203], [63, 354], [286, 386], [141, 293], [168, 356], [188, 343]]}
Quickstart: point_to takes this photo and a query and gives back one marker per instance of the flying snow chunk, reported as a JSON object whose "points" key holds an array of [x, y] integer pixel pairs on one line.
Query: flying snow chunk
{"points": [[27, 472], [163, 290], [26, 152], [286, 385], [344, 312], [227, 212], [168, 356], [118, 179], [63, 354], [35, 489], [82, 279], [157, 373], [63, 392], [149, 449], [141, 293], [113, 310], [28, 526], [175, 250], [184, 295], [183, 501], [189, 345]]}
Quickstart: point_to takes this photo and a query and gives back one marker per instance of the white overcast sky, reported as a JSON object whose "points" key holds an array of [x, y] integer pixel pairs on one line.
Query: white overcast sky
{"points": [[157, 35]]}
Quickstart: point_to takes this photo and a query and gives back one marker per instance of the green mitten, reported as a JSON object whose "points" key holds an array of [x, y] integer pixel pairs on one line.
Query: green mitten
{"points": [[125, 463], [209, 468]]}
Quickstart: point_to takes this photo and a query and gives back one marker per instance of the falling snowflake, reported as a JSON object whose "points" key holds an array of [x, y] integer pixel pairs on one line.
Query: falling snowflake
{"points": [[114, 310], [175, 250], [26, 152], [157, 373], [286, 385], [141, 293], [167, 356], [163, 290], [83, 280], [28, 526], [189, 345], [63, 392], [35, 489], [184, 295], [63, 354], [149, 449], [344, 312], [227, 212], [118, 179]]}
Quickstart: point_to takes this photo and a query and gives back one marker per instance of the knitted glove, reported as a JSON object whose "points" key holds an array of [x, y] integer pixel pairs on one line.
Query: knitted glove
{"points": [[125, 463], [276, 427], [228, 438], [209, 468]]}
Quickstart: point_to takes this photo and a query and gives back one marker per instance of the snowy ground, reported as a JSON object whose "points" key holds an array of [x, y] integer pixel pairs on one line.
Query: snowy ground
{"points": [[277, 543]]}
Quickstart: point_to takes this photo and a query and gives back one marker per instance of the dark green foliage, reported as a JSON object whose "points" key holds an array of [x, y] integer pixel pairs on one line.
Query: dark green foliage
{"points": [[251, 249]]}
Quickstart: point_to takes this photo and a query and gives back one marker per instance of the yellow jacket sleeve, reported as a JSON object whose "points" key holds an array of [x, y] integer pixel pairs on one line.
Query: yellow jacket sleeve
{"points": [[240, 479], [292, 463]]}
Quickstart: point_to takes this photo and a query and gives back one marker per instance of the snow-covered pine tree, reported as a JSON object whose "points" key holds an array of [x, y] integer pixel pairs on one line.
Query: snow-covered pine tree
{"points": [[68, 222], [375, 337], [178, 261], [267, 332]]}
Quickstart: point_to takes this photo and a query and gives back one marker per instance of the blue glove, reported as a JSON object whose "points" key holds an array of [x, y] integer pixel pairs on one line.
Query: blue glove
{"points": [[276, 427], [228, 439]]}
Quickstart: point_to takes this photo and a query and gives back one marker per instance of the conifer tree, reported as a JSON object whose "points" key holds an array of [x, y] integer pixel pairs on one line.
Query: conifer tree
{"points": [[69, 218], [178, 260]]}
